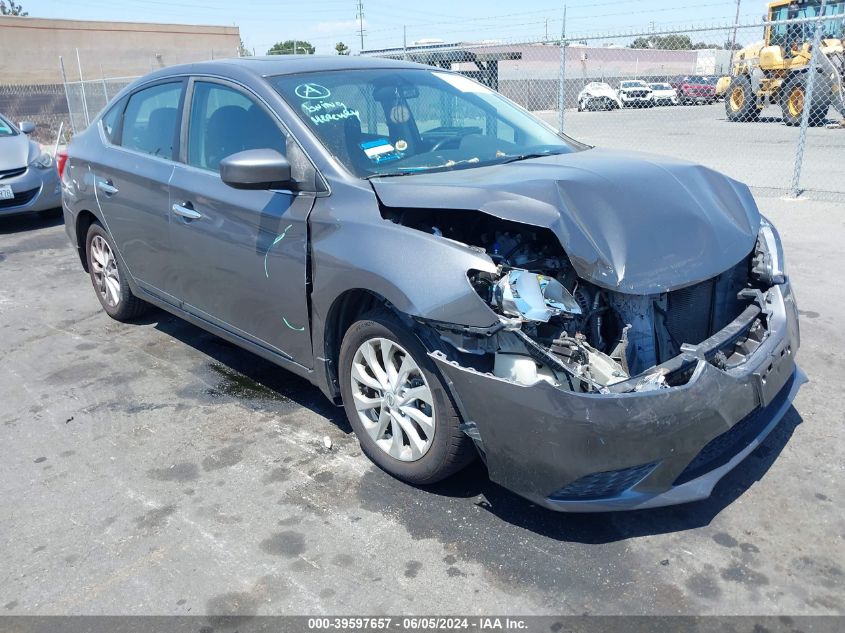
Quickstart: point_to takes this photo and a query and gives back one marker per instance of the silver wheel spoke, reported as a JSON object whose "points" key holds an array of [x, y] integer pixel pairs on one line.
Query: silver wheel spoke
{"points": [[420, 418], [364, 403], [416, 444], [373, 365], [397, 444], [387, 348], [377, 430], [113, 287], [360, 375], [421, 393], [408, 365]]}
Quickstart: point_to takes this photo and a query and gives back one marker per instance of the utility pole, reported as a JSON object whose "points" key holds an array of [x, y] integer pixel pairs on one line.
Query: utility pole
{"points": [[733, 38], [360, 17]]}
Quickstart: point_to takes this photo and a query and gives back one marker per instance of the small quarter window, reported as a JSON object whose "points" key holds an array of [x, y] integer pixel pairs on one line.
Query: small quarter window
{"points": [[111, 121]]}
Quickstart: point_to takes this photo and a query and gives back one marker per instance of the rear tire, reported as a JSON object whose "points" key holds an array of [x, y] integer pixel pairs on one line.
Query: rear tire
{"points": [[367, 398], [740, 102], [793, 101], [108, 276]]}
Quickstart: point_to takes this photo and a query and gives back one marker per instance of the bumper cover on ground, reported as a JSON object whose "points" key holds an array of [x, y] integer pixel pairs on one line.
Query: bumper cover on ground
{"points": [[540, 440]]}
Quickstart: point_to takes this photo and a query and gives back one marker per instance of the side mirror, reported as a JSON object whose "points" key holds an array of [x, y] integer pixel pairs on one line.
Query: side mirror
{"points": [[27, 127], [257, 169]]}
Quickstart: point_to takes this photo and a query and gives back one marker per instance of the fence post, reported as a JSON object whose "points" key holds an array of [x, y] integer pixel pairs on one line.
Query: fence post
{"points": [[67, 94], [82, 87], [795, 187], [561, 92]]}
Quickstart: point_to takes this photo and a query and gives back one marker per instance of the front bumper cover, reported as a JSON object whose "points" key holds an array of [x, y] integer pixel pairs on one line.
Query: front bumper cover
{"points": [[36, 189], [540, 440]]}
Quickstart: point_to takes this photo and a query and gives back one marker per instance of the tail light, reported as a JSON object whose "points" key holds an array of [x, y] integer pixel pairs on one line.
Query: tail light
{"points": [[61, 161]]}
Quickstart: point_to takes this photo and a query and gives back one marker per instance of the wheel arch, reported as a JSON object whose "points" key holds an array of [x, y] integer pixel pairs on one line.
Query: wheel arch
{"points": [[84, 220], [343, 312]]}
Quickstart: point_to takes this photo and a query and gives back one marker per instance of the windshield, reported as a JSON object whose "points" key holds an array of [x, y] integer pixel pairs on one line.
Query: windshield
{"points": [[6, 128], [793, 35], [660, 86], [397, 122], [633, 84]]}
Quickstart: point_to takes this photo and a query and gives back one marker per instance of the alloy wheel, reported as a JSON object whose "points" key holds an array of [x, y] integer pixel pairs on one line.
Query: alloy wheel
{"points": [[104, 270], [393, 399]]}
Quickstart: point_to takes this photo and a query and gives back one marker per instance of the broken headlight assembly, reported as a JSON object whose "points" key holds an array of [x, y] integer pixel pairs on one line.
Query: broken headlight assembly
{"points": [[532, 296], [767, 265]]}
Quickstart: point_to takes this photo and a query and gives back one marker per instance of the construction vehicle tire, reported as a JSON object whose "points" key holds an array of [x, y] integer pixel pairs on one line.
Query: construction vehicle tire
{"points": [[740, 101], [792, 101]]}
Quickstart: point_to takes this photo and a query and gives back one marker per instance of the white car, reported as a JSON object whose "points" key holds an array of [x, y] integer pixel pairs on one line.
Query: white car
{"points": [[664, 94], [598, 95], [635, 94]]}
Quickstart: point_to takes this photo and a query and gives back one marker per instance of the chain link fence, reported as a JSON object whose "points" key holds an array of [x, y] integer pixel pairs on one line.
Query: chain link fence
{"points": [[687, 94], [690, 94]]}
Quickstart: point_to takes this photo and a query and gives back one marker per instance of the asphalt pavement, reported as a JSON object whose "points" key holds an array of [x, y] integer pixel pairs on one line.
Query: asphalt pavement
{"points": [[153, 468]]}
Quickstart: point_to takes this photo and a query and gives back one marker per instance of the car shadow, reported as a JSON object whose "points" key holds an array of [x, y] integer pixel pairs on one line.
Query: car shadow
{"points": [[30, 221], [607, 527], [264, 378], [245, 375]]}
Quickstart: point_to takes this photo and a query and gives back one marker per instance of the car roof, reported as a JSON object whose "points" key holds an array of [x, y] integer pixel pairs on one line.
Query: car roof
{"points": [[273, 65]]}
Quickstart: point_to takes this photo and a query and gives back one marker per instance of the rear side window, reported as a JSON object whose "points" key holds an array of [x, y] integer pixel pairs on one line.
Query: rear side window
{"points": [[225, 121], [111, 120], [151, 120]]}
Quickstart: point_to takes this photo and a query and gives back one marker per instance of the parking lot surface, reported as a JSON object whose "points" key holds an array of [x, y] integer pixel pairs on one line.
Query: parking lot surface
{"points": [[153, 468], [760, 154]]}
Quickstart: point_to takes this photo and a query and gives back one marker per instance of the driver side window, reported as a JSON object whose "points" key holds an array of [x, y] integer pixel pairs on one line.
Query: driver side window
{"points": [[225, 121]]}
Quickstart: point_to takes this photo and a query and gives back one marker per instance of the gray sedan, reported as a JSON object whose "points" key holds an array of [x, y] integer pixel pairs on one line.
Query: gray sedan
{"points": [[606, 330], [28, 177]]}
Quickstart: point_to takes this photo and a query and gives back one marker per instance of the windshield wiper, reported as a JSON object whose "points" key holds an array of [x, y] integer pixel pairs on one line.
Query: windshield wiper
{"points": [[513, 159]]}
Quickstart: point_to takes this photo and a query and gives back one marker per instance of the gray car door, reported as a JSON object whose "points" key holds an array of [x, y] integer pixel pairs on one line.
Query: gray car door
{"points": [[132, 175], [242, 254]]}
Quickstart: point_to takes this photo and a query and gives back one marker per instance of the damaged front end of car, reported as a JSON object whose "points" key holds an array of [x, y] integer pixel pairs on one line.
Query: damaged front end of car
{"points": [[586, 398]]}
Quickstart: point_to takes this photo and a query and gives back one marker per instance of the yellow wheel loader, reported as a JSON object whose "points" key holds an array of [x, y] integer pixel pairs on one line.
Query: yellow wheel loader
{"points": [[775, 70]]}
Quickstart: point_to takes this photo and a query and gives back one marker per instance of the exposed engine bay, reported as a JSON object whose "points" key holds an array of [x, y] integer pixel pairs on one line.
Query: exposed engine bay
{"points": [[558, 328]]}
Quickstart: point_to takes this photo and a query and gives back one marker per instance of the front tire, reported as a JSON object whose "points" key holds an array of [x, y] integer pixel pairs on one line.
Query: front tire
{"points": [[108, 276], [740, 102], [397, 403]]}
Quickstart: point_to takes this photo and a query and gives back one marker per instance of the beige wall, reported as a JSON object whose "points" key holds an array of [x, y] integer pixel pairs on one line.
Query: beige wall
{"points": [[30, 48]]}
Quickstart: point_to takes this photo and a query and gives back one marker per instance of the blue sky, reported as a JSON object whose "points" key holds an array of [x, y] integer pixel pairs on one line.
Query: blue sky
{"points": [[325, 22]]}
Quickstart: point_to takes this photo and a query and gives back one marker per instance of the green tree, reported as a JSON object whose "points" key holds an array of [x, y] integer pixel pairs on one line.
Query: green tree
{"points": [[341, 48], [243, 51], [671, 42], [11, 8], [288, 47]]}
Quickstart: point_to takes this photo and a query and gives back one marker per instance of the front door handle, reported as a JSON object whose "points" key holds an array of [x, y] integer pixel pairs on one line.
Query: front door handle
{"points": [[106, 187], [186, 212]]}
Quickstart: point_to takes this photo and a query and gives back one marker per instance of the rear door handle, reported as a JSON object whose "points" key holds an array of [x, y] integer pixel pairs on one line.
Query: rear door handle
{"points": [[186, 212], [107, 188]]}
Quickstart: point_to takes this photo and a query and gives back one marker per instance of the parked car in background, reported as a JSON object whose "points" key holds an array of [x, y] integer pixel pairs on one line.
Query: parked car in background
{"points": [[694, 89], [663, 94], [28, 177], [714, 81], [606, 330], [636, 94], [598, 95]]}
